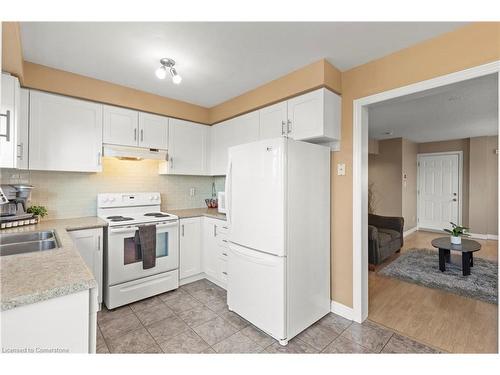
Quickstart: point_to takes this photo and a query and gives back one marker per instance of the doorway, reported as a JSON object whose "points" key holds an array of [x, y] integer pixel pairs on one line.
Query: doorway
{"points": [[360, 173], [439, 190]]}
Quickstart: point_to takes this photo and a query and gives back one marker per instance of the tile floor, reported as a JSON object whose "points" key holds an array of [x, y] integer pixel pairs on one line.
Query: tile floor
{"points": [[195, 319]]}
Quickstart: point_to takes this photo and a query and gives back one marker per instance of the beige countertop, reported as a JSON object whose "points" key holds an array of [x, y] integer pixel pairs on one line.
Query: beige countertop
{"points": [[195, 212], [42, 275]]}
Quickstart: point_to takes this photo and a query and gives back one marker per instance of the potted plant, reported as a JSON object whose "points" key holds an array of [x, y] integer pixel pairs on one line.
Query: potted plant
{"points": [[457, 232], [37, 211]]}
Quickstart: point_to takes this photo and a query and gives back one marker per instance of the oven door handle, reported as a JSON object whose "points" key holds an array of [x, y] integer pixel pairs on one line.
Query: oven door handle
{"points": [[123, 230]]}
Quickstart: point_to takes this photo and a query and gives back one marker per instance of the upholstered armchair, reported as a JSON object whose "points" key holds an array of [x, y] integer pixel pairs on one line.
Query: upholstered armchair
{"points": [[385, 237]]}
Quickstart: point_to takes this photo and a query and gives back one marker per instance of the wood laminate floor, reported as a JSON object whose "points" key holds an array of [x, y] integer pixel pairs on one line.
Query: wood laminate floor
{"points": [[440, 319]]}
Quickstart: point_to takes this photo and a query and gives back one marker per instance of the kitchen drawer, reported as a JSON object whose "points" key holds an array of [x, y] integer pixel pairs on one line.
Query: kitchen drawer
{"points": [[223, 252], [222, 271], [223, 229]]}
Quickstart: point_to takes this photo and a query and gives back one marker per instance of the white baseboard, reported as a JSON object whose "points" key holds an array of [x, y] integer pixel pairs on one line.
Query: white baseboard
{"points": [[342, 310], [191, 279], [409, 231], [484, 236]]}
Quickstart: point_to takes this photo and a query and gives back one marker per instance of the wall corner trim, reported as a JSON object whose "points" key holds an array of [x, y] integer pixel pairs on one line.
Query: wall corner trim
{"points": [[409, 231], [342, 310]]}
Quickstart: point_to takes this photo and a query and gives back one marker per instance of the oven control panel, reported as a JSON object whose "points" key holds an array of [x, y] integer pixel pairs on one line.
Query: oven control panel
{"points": [[128, 199]]}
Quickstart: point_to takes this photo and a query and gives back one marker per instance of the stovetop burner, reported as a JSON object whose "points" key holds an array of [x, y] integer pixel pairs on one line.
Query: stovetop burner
{"points": [[119, 218], [156, 214]]}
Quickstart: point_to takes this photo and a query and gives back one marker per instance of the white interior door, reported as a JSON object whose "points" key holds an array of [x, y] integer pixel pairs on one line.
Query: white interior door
{"points": [[255, 195], [439, 192]]}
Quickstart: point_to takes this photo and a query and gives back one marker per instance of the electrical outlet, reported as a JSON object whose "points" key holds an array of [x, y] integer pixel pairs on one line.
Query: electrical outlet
{"points": [[341, 169], [192, 192]]}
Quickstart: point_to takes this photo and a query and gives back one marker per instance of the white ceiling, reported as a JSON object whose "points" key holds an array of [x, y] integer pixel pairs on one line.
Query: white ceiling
{"points": [[461, 110], [217, 61]]}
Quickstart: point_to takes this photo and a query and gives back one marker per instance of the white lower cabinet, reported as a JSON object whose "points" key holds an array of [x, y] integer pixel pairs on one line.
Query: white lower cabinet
{"points": [[214, 250], [89, 245], [190, 247], [203, 250], [64, 324]]}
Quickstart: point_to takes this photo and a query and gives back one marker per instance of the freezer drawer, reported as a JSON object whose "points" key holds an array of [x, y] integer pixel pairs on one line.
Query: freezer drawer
{"points": [[256, 289]]}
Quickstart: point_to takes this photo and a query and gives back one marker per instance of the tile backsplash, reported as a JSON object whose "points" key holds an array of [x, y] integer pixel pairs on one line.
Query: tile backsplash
{"points": [[73, 194]]}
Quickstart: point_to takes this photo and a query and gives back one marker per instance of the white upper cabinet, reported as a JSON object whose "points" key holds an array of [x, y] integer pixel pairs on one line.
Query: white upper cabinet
{"points": [[9, 118], [188, 148], [220, 137], [65, 133], [153, 131], [126, 127], [273, 121], [120, 126], [23, 130], [236, 131], [315, 116]]}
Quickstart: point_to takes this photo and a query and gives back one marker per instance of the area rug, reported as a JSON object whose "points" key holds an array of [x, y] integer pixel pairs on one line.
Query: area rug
{"points": [[421, 266]]}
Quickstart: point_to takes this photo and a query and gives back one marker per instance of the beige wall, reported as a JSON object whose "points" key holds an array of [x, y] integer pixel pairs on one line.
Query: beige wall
{"points": [[396, 158], [310, 77], [483, 202], [469, 46], [409, 183], [384, 176], [58, 81], [71, 194], [12, 55], [454, 145]]}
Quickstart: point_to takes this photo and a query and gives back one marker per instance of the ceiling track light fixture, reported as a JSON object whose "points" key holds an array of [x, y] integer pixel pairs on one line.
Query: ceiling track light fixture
{"points": [[168, 65]]}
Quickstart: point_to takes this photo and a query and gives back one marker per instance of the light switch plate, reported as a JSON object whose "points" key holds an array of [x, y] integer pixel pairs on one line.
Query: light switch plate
{"points": [[341, 169]]}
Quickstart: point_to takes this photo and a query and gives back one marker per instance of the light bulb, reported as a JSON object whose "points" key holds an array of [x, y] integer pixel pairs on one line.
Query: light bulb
{"points": [[176, 79], [161, 72]]}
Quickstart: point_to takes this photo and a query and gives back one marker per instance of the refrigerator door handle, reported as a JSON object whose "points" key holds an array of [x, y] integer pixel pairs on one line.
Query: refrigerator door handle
{"points": [[255, 256], [227, 188]]}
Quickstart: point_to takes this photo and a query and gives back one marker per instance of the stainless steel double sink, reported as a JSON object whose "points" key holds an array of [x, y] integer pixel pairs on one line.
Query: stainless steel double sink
{"points": [[27, 242]]}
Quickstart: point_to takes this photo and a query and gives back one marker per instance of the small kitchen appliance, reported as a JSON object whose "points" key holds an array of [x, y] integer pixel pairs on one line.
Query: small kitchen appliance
{"points": [[125, 279], [221, 198], [13, 200]]}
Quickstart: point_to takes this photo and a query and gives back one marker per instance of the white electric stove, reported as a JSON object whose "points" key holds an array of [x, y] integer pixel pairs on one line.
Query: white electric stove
{"points": [[125, 280]]}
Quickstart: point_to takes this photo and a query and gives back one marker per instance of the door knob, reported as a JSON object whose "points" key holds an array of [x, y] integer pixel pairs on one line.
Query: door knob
{"points": [[454, 199]]}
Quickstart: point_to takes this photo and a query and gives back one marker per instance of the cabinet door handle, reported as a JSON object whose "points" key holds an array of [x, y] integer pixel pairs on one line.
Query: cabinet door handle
{"points": [[20, 154], [7, 129], [142, 135], [224, 272], [215, 230], [171, 163], [182, 230], [289, 126], [135, 134], [99, 243], [282, 127], [225, 254], [99, 158]]}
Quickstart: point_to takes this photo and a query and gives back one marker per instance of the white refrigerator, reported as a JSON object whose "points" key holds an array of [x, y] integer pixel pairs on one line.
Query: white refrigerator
{"points": [[278, 211]]}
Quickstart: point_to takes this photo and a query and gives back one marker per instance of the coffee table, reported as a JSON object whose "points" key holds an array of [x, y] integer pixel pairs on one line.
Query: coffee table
{"points": [[467, 247]]}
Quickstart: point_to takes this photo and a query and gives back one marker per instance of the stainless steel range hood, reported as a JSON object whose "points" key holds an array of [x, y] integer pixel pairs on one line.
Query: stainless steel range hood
{"points": [[133, 153]]}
